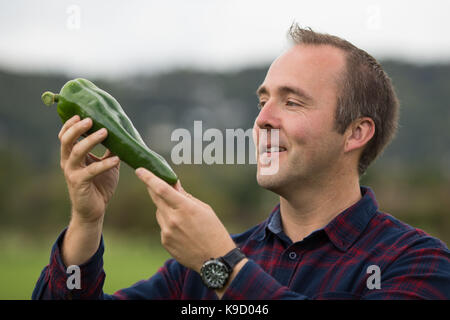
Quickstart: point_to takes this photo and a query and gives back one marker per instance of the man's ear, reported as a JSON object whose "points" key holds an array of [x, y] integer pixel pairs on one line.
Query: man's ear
{"points": [[359, 133]]}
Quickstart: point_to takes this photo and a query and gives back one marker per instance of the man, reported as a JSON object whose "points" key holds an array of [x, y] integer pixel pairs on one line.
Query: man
{"points": [[334, 110]]}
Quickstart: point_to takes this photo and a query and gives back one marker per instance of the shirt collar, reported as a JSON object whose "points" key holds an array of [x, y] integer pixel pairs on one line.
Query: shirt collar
{"points": [[343, 230]]}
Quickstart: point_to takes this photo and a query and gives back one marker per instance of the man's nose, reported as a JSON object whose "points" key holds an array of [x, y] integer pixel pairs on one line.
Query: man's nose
{"points": [[269, 116]]}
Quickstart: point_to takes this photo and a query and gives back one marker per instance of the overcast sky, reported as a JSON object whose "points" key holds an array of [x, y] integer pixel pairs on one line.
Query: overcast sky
{"points": [[123, 37]]}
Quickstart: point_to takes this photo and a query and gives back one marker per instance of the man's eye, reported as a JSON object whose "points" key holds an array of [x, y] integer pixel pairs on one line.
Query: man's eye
{"points": [[292, 104], [261, 104]]}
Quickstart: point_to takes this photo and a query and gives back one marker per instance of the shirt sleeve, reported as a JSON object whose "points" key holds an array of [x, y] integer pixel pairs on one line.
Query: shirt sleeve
{"points": [[54, 278], [53, 281], [253, 283]]}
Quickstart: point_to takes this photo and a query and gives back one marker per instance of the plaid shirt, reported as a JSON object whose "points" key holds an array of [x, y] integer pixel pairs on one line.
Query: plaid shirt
{"points": [[339, 261]]}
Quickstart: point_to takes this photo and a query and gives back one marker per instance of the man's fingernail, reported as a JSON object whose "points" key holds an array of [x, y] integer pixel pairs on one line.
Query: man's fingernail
{"points": [[114, 159], [139, 171]]}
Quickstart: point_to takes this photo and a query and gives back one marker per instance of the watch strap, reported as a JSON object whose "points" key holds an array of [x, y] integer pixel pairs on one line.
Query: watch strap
{"points": [[232, 258]]}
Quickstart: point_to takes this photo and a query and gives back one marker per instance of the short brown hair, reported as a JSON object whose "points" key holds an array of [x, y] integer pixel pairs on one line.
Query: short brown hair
{"points": [[365, 91]]}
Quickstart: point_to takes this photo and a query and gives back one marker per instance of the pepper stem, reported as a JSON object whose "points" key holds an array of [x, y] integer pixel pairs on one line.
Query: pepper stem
{"points": [[49, 98]]}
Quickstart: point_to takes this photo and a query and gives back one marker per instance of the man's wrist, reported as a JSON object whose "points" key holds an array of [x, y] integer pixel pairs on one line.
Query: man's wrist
{"points": [[236, 269], [89, 223], [81, 240]]}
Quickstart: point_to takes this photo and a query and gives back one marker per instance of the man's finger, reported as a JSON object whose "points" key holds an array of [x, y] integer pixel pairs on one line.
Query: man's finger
{"points": [[70, 136], [179, 188], [81, 149], [98, 167], [160, 189], [67, 125]]}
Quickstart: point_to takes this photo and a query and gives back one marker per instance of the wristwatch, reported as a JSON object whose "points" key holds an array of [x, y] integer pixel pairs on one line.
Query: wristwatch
{"points": [[215, 272]]}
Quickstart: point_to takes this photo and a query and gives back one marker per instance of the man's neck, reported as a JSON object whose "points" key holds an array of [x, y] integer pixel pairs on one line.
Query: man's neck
{"points": [[309, 209]]}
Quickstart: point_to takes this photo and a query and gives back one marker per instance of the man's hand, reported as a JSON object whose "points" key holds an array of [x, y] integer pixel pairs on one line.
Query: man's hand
{"points": [[190, 230], [91, 182]]}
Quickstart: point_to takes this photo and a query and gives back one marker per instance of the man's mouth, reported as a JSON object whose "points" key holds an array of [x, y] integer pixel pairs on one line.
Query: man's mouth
{"points": [[269, 150]]}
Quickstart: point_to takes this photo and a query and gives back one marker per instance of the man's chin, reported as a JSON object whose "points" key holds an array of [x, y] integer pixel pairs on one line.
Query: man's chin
{"points": [[269, 182]]}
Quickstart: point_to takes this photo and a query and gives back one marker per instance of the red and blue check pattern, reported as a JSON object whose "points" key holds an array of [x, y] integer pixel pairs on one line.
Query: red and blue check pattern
{"points": [[331, 263]]}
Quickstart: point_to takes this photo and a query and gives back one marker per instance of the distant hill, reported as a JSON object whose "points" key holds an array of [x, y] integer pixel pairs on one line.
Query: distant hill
{"points": [[157, 104]]}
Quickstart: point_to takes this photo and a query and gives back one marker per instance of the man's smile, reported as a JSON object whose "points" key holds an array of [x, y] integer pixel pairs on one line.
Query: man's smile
{"points": [[271, 149]]}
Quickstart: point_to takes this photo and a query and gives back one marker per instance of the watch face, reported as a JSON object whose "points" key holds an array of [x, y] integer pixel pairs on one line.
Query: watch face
{"points": [[214, 274]]}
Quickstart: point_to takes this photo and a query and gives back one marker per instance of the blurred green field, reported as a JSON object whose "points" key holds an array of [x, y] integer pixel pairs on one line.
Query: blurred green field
{"points": [[126, 261]]}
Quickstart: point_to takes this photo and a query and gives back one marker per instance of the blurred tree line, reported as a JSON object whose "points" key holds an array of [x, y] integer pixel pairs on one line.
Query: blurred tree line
{"points": [[411, 180]]}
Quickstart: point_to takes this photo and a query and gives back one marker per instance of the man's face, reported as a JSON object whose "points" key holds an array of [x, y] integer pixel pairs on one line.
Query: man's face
{"points": [[298, 97]]}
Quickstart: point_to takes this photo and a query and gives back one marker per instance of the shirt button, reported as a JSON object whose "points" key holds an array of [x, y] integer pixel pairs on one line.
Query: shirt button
{"points": [[292, 255]]}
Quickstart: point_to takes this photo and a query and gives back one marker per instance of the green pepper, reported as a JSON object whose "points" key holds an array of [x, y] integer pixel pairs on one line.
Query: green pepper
{"points": [[81, 97]]}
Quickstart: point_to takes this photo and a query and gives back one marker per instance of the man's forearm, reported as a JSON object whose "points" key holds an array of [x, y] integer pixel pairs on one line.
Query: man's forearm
{"points": [[81, 241]]}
